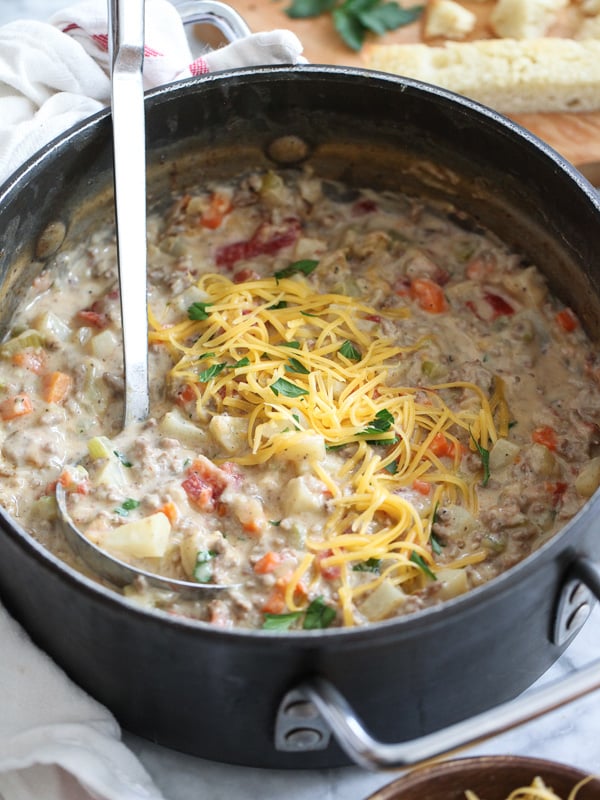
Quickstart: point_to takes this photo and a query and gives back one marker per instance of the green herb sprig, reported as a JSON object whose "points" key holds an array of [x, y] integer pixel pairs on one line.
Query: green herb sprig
{"points": [[354, 19]]}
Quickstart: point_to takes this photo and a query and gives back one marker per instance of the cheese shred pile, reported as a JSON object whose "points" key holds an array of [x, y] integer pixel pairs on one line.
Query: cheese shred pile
{"points": [[312, 372]]}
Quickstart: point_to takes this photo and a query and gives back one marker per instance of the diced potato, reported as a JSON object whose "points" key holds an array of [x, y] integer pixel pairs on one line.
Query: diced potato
{"points": [[382, 602], [110, 473], [174, 425], [104, 344], [541, 460], [189, 547], [229, 432], [100, 447], [52, 327], [141, 538], [527, 286], [299, 495], [452, 581], [588, 479], [455, 521], [503, 454], [302, 447]]}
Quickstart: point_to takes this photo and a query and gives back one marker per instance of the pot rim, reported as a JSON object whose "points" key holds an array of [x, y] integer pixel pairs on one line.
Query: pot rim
{"points": [[434, 615]]}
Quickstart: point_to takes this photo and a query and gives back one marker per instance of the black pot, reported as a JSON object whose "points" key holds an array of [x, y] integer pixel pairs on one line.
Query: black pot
{"points": [[216, 693]]}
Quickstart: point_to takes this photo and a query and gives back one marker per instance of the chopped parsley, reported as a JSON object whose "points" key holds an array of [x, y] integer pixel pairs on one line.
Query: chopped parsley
{"points": [[349, 351], [317, 616], [294, 365], [197, 311], [215, 369], [127, 506], [353, 19], [422, 564], [287, 388], [485, 460], [370, 565], [305, 266], [203, 570], [123, 459]]}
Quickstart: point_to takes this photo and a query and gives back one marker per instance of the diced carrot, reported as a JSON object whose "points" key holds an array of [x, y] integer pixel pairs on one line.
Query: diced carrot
{"points": [[56, 387], [545, 435], [268, 562], [423, 487], [171, 512], [567, 320], [253, 527], [441, 446], [330, 572], [429, 295], [31, 358], [276, 601], [16, 406]]}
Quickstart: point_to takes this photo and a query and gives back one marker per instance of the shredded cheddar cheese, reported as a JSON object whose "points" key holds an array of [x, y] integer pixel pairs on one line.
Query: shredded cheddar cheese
{"points": [[294, 363]]}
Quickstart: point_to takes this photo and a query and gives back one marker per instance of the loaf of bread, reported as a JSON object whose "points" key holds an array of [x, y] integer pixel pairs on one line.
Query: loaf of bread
{"points": [[509, 75]]}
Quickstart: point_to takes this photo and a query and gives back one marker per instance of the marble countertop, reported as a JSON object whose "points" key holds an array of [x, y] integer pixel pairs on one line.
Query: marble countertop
{"points": [[568, 735]]}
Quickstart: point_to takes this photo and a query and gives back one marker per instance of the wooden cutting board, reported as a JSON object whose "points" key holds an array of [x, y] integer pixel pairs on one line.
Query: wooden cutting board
{"points": [[575, 136]]}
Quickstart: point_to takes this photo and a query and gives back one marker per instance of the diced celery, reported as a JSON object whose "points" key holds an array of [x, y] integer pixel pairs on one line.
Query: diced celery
{"points": [[29, 338], [141, 538], [100, 447]]}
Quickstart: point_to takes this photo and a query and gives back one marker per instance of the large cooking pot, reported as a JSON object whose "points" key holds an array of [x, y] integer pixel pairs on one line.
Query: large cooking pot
{"points": [[217, 693]]}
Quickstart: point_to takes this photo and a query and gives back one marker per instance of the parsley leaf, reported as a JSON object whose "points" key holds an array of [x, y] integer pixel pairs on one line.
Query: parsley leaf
{"points": [[305, 266], [382, 422], [349, 351], [485, 460], [436, 545], [280, 622], [370, 565], [203, 570], [287, 388], [123, 459], [197, 311], [318, 615], [422, 564], [353, 19], [126, 506], [293, 344], [296, 366]]}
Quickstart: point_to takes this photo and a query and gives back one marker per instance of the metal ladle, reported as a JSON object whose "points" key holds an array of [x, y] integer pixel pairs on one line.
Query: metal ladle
{"points": [[126, 53]]}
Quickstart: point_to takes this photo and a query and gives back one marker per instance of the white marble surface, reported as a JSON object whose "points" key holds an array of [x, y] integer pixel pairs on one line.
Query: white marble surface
{"points": [[570, 735]]}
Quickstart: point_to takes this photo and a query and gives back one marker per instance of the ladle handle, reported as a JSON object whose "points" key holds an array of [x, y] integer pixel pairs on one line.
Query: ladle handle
{"points": [[126, 53]]}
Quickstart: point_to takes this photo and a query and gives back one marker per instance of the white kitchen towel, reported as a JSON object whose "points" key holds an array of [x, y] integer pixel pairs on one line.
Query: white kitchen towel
{"points": [[57, 743], [52, 75]]}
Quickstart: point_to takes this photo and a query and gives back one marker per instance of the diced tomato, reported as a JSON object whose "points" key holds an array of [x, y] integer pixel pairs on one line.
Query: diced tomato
{"points": [[556, 490], [204, 484], [373, 317], [266, 240], [94, 319], [567, 320], [185, 394], [330, 573], [244, 275], [500, 306], [428, 294], [545, 435], [364, 206]]}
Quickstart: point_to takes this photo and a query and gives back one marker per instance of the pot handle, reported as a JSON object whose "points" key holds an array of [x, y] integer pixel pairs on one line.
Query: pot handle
{"points": [[315, 710], [212, 12]]}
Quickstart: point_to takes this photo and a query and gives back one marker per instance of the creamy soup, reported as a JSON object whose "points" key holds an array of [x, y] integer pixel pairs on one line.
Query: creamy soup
{"points": [[361, 405]]}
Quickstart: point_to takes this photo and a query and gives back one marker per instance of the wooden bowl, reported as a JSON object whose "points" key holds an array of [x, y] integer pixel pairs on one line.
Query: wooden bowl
{"points": [[490, 777]]}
